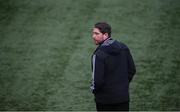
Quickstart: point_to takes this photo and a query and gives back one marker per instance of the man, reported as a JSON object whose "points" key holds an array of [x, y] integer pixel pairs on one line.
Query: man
{"points": [[112, 70]]}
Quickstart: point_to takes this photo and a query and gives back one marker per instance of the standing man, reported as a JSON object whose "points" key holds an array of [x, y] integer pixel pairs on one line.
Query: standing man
{"points": [[112, 70]]}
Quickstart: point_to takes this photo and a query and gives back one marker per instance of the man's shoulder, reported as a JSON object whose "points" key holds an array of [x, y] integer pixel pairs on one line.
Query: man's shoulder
{"points": [[121, 45]]}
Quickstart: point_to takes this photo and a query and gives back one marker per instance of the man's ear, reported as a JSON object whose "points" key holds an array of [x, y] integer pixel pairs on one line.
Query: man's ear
{"points": [[106, 35]]}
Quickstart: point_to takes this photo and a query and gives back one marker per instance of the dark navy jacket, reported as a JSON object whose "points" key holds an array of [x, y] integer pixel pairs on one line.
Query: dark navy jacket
{"points": [[112, 70]]}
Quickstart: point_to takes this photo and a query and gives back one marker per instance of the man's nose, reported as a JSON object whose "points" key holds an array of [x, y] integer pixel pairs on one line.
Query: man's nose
{"points": [[93, 36]]}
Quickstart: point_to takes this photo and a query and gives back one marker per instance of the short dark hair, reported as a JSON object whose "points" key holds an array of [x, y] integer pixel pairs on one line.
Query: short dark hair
{"points": [[103, 28]]}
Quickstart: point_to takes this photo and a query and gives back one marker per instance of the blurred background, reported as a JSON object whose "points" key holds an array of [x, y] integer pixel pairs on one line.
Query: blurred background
{"points": [[46, 47]]}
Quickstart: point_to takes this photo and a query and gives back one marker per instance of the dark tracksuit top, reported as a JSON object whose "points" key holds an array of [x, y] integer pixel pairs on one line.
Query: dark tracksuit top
{"points": [[112, 70]]}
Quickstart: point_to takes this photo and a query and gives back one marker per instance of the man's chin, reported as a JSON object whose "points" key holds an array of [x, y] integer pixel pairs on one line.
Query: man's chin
{"points": [[96, 43]]}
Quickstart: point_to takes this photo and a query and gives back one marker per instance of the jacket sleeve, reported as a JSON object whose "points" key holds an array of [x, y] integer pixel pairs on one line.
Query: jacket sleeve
{"points": [[131, 66], [98, 71]]}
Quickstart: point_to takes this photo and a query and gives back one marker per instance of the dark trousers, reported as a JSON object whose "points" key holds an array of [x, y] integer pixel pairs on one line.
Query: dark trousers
{"points": [[113, 107]]}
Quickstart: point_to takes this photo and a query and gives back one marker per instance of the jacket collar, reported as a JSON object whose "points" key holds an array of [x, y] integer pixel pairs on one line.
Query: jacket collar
{"points": [[107, 41]]}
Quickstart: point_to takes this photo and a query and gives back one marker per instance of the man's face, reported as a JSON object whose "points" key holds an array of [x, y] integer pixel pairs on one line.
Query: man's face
{"points": [[97, 36]]}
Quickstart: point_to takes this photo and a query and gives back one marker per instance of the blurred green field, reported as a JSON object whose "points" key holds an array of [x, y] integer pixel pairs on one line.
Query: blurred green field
{"points": [[46, 46]]}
